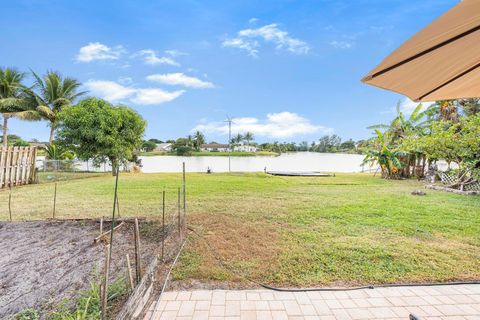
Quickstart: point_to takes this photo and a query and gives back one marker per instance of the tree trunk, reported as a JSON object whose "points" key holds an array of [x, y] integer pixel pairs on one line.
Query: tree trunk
{"points": [[114, 166], [52, 132], [5, 125]]}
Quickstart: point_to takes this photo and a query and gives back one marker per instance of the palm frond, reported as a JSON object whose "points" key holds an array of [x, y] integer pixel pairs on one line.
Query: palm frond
{"points": [[46, 112], [29, 115]]}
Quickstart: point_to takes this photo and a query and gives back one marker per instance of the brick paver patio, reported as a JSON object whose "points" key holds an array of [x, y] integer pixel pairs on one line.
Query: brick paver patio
{"points": [[439, 302]]}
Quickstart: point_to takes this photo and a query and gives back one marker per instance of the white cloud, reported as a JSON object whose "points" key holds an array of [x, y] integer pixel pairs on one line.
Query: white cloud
{"points": [[175, 53], [109, 90], [98, 51], [115, 92], [155, 96], [253, 20], [180, 79], [276, 125], [407, 106], [149, 56], [247, 45], [342, 44], [247, 40]]}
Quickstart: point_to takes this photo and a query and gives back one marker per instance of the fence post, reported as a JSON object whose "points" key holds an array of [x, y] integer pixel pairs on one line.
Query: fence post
{"points": [[54, 200], [163, 225], [137, 252], [10, 204], [184, 198], [178, 213], [130, 276]]}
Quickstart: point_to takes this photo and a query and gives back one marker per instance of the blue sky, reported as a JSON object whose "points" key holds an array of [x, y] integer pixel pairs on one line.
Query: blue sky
{"points": [[286, 70]]}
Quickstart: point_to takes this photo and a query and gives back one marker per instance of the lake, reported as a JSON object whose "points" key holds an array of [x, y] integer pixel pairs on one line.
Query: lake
{"points": [[295, 161]]}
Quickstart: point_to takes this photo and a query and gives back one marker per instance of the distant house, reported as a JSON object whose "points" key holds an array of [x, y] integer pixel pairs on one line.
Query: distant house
{"points": [[167, 147], [245, 148], [214, 147], [39, 145]]}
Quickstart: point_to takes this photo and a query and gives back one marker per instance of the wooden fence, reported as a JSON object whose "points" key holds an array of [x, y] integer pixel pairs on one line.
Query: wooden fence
{"points": [[17, 166]]}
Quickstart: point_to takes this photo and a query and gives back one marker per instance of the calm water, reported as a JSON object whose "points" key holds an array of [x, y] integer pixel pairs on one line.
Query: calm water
{"points": [[298, 161]]}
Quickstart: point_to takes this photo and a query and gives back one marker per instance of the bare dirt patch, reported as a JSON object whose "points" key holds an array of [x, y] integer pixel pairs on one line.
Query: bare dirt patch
{"points": [[44, 263]]}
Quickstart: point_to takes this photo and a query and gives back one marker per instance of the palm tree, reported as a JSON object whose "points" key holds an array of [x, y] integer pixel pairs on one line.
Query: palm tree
{"points": [[13, 100], [54, 93], [54, 152], [236, 139], [248, 137], [198, 139], [402, 126]]}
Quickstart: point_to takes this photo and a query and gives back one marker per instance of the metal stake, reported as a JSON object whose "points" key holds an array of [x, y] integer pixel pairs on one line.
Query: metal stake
{"points": [[163, 225], [184, 198], [178, 212]]}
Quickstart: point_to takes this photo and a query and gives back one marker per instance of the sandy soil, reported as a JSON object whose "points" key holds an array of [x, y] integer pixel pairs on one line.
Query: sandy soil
{"points": [[45, 262]]}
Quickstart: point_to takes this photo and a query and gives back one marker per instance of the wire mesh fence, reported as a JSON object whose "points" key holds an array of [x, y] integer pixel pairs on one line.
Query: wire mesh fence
{"points": [[161, 231], [44, 165]]}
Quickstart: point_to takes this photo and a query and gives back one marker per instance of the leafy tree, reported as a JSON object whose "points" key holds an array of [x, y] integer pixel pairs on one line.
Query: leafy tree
{"points": [[454, 142], [327, 144], [13, 100], [149, 145], [236, 139], [96, 129], [303, 146], [446, 110], [183, 151], [181, 142], [54, 93], [470, 106], [21, 143], [347, 145], [189, 141], [198, 140], [157, 140]]}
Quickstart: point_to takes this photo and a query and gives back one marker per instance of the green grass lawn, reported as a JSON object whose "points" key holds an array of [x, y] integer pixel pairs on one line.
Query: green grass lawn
{"points": [[215, 154], [344, 230]]}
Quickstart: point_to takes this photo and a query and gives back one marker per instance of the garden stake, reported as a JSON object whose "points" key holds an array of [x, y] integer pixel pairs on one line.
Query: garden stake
{"points": [[130, 276], [184, 198], [178, 212], [113, 211], [10, 203], [101, 226], [54, 200], [163, 225], [108, 252], [137, 252]]}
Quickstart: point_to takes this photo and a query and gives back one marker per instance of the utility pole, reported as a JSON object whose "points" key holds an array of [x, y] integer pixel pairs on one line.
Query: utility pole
{"points": [[229, 120]]}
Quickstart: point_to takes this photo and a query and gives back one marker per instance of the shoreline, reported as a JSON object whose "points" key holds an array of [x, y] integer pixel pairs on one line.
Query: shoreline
{"points": [[213, 154]]}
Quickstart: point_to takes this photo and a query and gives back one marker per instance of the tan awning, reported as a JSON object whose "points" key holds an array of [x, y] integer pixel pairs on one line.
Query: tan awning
{"points": [[440, 62]]}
